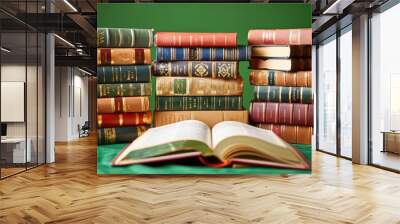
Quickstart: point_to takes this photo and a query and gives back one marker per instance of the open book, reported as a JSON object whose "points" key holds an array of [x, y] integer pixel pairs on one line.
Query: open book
{"points": [[227, 143]]}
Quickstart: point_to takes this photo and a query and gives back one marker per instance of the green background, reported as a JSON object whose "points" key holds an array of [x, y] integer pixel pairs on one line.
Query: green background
{"points": [[206, 17], [200, 17]]}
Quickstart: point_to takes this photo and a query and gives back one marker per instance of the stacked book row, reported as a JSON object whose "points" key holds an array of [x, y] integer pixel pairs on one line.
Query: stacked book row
{"points": [[281, 75], [198, 78], [123, 84]]}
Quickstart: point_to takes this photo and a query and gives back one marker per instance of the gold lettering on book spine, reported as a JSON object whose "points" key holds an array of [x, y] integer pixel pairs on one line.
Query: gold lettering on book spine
{"points": [[110, 135]]}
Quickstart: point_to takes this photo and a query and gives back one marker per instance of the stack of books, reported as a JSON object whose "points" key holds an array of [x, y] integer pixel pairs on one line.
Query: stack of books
{"points": [[198, 78], [123, 84], [281, 74]]}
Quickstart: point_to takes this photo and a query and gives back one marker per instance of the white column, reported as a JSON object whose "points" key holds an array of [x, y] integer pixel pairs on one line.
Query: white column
{"points": [[50, 100], [360, 90]]}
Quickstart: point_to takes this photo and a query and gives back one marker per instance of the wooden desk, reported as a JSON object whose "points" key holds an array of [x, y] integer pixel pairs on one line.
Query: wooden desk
{"points": [[16, 148], [391, 141]]}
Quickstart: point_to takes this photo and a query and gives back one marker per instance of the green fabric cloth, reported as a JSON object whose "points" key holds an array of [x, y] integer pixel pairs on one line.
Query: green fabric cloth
{"points": [[105, 153]]}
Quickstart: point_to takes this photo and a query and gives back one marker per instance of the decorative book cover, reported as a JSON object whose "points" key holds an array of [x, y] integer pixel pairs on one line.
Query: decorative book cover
{"points": [[123, 74], [202, 69], [123, 56], [280, 37], [201, 94], [124, 38], [123, 89], [211, 118], [176, 39], [282, 113], [240, 53], [189, 86], [293, 134], [124, 119], [279, 78], [281, 94], [106, 136], [168, 103], [123, 104]]}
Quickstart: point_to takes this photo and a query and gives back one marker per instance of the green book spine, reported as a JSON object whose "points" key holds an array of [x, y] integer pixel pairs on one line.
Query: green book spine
{"points": [[179, 103], [119, 134], [204, 69], [123, 89], [122, 37], [283, 94], [123, 74]]}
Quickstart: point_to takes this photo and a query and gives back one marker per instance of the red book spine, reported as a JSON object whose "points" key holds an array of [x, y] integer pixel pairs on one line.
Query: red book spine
{"points": [[168, 39], [285, 113], [121, 120], [280, 37]]}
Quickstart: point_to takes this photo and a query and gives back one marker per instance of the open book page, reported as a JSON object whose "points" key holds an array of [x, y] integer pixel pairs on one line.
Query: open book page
{"points": [[185, 130], [228, 129], [253, 141]]}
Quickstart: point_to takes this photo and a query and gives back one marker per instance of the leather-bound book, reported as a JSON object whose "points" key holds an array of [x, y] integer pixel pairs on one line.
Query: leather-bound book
{"points": [[279, 78], [281, 113], [280, 37], [123, 89], [123, 56], [123, 74], [201, 69], [240, 53], [123, 104], [281, 51], [123, 119], [119, 134], [282, 94], [288, 65], [190, 86], [176, 39], [172, 103], [210, 118], [290, 133], [124, 37]]}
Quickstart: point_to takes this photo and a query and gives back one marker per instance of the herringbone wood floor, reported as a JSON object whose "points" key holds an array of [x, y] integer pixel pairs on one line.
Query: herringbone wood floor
{"points": [[69, 191]]}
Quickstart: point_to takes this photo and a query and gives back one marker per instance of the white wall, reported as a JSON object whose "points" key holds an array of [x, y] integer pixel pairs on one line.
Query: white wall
{"points": [[71, 102]]}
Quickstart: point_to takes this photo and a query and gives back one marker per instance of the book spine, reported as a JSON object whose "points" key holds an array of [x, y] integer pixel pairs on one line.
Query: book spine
{"points": [[123, 104], [169, 103], [123, 74], [211, 118], [201, 69], [123, 56], [280, 37], [119, 134], [124, 89], [278, 78], [125, 119], [295, 64], [122, 37], [290, 133], [188, 86], [294, 51], [281, 113], [168, 39], [240, 53], [282, 94]]}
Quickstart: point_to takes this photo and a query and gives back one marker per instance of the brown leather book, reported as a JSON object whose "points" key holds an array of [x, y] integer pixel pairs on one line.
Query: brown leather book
{"points": [[279, 78], [123, 104], [123, 56], [281, 51], [280, 37], [290, 133], [211, 118], [191, 86], [289, 65]]}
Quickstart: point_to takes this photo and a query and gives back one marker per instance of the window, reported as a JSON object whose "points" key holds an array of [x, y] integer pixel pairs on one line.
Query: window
{"points": [[385, 88], [346, 92], [326, 104]]}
